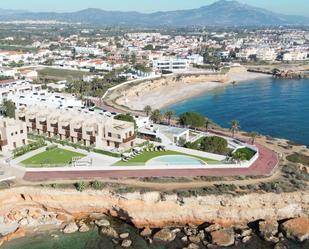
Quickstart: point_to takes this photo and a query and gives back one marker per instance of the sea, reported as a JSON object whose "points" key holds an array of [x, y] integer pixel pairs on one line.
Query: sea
{"points": [[274, 107]]}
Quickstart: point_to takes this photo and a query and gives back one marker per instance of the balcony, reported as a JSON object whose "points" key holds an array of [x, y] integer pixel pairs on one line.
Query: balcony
{"points": [[66, 128], [43, 123], [129, 139], [3, 142], [79, 135], [78, 130], [55, 125], [92, 139], [67, 133], [22, 119], [44, 128], [32, 120]]}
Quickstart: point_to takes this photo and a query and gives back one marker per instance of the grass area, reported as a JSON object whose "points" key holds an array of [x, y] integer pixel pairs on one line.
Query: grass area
{"points": [[51, 157], [18, 48], [245, 153], [146, 156], [61, 74]]}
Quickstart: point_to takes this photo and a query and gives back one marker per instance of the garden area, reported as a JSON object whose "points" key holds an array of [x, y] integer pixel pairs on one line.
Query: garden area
{"points": [[51, 158], [143, 158]]}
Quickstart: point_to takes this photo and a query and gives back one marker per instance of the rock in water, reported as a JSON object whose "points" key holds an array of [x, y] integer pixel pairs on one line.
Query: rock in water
{"points": [[124, 235], [296, 229], [224, 237], [164, 235], [110, 232], [102, 223], [146, 232], [83, 228], [70, 228], [126, 243], [268, 229]]}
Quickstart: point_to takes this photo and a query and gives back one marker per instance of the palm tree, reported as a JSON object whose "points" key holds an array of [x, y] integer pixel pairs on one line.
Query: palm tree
{"points": [[253, 136], [155, 116], [234, 127], [169, 115], [207, 123], [147, 109]]}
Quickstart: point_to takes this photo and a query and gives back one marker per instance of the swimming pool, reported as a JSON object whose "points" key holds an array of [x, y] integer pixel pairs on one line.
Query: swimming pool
{"points": [[175, 160]]}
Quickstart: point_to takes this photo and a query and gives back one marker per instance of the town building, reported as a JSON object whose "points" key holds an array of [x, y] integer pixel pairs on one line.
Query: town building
{"points": [[170, 64], [79, 126], [13, 134]]}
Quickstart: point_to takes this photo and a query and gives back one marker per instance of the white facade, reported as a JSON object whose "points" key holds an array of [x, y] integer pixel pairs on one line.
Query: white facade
{"points": [[171, 64], [295, 56]]}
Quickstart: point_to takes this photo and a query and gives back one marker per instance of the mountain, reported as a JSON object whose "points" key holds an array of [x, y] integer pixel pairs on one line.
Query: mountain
{"points": [[221, 13]]}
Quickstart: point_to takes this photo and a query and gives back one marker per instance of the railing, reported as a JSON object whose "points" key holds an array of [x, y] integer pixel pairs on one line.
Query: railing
{"points": [[126, 140]]}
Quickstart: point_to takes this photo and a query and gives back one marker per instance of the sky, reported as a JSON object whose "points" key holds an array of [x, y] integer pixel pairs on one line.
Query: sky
{"points": [[299, 7]]}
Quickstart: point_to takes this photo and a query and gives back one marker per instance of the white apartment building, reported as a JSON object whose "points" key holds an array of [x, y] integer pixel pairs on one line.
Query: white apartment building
{"points": [[8, 72], [11, 88], [195, 59], [44, 98], [13, 134], [78, 126], [171, 64], [295, 56], [266, 54]]}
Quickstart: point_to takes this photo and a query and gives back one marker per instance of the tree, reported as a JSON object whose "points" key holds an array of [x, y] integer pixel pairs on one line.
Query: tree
{"points": [[169, 115], [253, 136], [207, 124], [155, 116], [126, 117], [234, 127], [147, 109], [214, 144], [8, 108], [192, 119]]}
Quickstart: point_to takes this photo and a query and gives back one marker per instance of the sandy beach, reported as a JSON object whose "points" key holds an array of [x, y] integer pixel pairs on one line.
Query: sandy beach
{"points": [[160, 95]]}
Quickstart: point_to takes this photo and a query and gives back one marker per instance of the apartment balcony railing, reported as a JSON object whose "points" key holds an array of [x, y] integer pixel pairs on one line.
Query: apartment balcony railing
{"points": [[43, 123], [126, 140], [44, 128], [79, 135], [3, 142], [92, 139], [32, 120], [67, 133], [54, 125], [67, 128]]}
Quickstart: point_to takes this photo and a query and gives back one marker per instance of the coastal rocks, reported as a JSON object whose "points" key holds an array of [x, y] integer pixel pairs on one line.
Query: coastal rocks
{"points": [[126, 243], [268, 230], [297, 229], [109, 232], [212, 228], [164, 235], [70, 228], [146, 232], [124, 235], [102, 223], [83, 228], [224, 237]]}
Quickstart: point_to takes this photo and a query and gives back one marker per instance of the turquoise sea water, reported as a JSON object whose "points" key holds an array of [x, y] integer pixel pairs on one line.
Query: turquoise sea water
{"points": [[279, 108]]}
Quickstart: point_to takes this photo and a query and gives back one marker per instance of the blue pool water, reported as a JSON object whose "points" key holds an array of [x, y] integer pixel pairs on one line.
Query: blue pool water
{"points": [[175, 160], [279, 108]]}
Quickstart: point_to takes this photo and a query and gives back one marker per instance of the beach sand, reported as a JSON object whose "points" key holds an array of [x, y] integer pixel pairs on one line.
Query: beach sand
{"points": [[163, 96]]}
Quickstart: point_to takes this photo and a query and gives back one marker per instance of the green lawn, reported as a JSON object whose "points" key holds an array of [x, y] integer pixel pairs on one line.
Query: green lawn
{"points": [[146, 156], [51, 157], [61, 74]]}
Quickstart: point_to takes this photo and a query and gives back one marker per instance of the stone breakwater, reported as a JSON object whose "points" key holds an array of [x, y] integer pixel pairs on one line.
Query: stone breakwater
{"points": [[219, 220]]}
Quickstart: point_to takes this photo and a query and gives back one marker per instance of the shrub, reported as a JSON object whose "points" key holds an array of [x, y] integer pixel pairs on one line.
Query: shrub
{"points": [[214, 144], [192, 119], [244, 154], [80, 186], [298, 158], [97, 185]]}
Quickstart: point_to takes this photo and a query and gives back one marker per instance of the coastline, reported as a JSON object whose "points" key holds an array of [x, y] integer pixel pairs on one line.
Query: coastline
{"points": [[160, 94]]}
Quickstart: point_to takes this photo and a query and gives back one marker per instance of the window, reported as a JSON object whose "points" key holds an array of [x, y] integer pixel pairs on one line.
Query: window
{"points": [[108, 143], [21, 131], [24, 141], [12, 134], [109, 134], [119, 136]]}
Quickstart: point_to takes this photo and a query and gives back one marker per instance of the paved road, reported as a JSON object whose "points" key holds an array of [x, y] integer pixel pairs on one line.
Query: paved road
{"points": [[264, 166]]}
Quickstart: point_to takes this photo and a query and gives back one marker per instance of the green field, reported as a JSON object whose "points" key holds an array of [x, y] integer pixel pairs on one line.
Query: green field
{"points": [[61, 74], [51, 158], [146, 156]]}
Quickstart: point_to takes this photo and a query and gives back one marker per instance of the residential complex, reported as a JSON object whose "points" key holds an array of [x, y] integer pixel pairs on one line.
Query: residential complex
{"points": [[79, 126], [13, 134]]}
